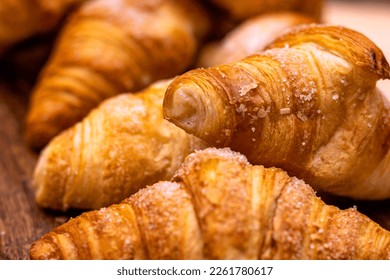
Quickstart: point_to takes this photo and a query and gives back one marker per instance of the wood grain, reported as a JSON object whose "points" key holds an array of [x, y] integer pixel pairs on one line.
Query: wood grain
{"points": [[22, 222]]}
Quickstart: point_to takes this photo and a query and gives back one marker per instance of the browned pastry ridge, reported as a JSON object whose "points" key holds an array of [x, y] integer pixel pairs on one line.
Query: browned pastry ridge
{"points": [[309, 105], [218, 206], [109, 47], [251, 36], [20, 19], [121, 146]]}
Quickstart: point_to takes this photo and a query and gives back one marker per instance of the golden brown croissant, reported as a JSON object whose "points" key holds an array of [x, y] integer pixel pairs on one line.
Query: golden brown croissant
{"points": [[218, 206], [20, 19], [121, 146], [109, 47], [251, 36], [244, 9], [308, 105]]}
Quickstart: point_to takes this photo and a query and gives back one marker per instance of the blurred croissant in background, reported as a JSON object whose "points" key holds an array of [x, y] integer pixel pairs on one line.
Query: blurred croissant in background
{"points": [[109, 47], [251, 36], [21, 19], [244, 9]]}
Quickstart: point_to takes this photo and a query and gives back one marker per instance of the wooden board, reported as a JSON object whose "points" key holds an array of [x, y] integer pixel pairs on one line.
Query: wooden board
{"points": [[22, 222]]}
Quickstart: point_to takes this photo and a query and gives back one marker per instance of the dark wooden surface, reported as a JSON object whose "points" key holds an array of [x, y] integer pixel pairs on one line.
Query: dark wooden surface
{"points": [[21, 221]]}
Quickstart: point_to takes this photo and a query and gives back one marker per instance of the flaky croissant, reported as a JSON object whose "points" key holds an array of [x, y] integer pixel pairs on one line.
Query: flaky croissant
{"points": [[109, 47], [244, 9], [218, 206], [20, 19], [121, 146], [308, 105], [251, 36]]}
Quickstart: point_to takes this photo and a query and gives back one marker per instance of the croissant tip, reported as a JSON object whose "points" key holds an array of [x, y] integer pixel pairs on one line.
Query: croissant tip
{"points": [[181, 107], [38, 135], [192, 105], [42, 250]]}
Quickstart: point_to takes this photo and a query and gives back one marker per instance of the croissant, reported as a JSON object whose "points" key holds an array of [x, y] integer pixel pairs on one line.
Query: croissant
{"points": [[249, 37], [122, 145], [308, 105], [218, 206], [109, 47], [20, 19], [244, 9]]}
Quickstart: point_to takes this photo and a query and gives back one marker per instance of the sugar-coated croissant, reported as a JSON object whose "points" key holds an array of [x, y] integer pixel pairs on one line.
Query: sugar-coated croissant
{"points": [[218, 206], [109, 47], [122, 145], [251, 36], [244, 9], [308, 105], [20, 19]]}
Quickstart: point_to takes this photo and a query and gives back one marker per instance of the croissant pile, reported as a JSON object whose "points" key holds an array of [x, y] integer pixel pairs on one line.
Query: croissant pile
{"points": [[203, 129]]}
